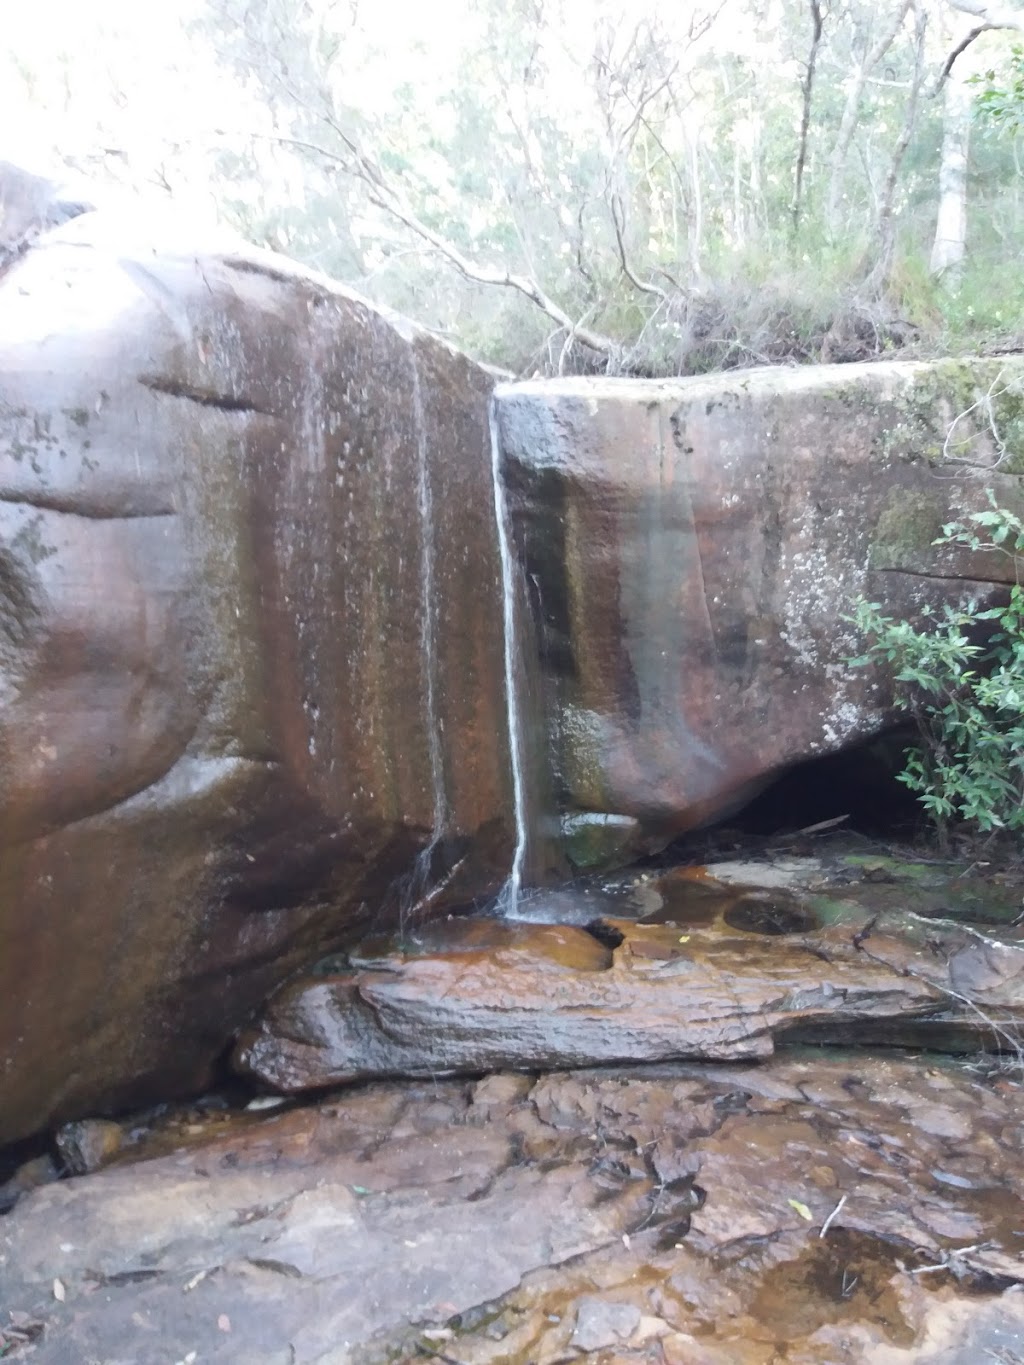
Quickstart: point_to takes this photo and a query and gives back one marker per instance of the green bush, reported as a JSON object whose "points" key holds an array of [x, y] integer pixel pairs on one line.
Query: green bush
{"points": [[961, 676]]}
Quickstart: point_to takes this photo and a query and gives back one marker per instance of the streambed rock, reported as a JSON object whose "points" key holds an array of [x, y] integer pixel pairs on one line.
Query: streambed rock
{"points": [[727, 974], [251, 654], [842, 1208], [693, 547]]}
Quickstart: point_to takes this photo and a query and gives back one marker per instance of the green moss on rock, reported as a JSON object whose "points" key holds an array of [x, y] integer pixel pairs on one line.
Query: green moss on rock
{"points": [[906, 529]]}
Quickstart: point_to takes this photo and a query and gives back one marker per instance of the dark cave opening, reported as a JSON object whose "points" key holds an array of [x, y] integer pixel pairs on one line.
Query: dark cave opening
{"points": [[861, 784], [856, 791]]}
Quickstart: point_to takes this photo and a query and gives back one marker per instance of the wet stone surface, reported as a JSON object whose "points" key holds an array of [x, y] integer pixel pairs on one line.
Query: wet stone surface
{"points": [[717, 963], [821, 1208], [818, 1207]]}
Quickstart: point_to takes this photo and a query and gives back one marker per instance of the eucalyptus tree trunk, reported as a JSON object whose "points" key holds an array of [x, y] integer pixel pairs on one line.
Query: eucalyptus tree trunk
{"points": [[873, 54], [950, 245], [807, 92], [877, 279]]}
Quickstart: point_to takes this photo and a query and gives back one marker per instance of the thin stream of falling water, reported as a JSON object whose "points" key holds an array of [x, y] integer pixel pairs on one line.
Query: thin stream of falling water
{"points": [[510, 895]]}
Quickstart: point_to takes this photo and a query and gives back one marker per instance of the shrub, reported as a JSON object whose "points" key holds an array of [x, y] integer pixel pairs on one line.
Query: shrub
{"points": [[961, 676]]}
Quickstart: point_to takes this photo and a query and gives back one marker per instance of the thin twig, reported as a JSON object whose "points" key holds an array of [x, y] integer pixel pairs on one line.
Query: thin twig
{"points": [[831, 1218], [944, 923], [984, 402], [820, 827]]}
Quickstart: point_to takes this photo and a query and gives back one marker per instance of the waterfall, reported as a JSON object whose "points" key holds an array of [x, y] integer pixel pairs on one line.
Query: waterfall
{"points": [[509, 900]]}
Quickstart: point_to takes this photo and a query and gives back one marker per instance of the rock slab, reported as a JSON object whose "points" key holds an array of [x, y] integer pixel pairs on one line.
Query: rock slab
{"points": [[734, 972], [667, 1214]]}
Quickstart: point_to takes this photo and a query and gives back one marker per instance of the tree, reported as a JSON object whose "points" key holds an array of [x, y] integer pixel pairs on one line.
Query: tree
{"points": [[959, 76], [876, 45]]}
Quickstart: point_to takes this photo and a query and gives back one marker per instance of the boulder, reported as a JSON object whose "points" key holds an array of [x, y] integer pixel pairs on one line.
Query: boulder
{"points": [[252, 686], [694, 547]]}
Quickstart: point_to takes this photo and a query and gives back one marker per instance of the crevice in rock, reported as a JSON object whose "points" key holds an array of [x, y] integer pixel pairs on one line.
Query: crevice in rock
{"points": [[71, 506], [245, 266], [122, 1277], [285, 1268], [984, 584], [206, 398], [606, 934]]}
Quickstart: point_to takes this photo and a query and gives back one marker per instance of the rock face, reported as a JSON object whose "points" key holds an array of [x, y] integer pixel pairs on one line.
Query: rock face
{"points": [[673, 1214], [252, 667], [692, 548], [251, 655]]}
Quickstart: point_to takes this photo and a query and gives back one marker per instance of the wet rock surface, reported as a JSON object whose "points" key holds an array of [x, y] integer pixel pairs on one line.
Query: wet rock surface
{"points": [[251, 653], [694, 548], [820, 1208], [696, 964]]}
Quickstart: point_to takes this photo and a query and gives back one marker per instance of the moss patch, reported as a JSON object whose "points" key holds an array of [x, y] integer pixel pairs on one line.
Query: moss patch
{"points": [[906, 529], [970, 396]]}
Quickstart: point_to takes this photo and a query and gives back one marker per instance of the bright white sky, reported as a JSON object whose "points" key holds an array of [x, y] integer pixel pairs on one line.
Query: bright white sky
{"points": [[76, 78], [81, 77]]}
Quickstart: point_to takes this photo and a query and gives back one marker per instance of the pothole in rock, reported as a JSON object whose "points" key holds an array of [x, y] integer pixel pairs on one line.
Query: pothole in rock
{"points": [[775, 915], [605, 933], [687, 901], [847, 1277]]}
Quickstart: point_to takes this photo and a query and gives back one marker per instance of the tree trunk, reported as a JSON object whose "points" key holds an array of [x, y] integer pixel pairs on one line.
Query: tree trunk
{"points": [[877, 278], [807, 92], [873, 54], [950, 245]]}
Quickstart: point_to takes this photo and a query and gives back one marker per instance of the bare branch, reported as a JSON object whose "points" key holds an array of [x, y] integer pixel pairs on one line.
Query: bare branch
{"points": [[701, 23], [960, 48], [388, 200], [570, 337], [386, 196], [885, 236], [619, 220], [987, 407], [991, 16], [851, 111]]}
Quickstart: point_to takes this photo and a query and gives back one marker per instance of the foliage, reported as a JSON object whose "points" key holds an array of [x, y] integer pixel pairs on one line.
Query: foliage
{"points": [[961, 676], [1002, 98], [634, 165], [571, 185]]}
